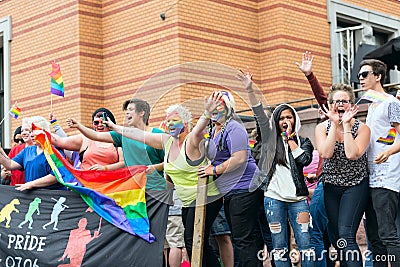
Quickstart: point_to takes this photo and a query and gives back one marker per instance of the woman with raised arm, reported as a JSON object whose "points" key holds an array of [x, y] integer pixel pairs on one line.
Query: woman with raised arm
{"points": [[184, 154], [343, 141], [235, 170], [285, 194]]}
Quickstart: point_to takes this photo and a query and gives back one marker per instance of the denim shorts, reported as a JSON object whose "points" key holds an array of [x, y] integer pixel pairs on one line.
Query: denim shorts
{"points": [[220, 225]]}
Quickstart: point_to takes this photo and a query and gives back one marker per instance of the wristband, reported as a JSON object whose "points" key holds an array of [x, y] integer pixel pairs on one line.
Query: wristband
{"points": [[288, 136], [205, 115], [105, 168], [215, 170], [54, 122]]}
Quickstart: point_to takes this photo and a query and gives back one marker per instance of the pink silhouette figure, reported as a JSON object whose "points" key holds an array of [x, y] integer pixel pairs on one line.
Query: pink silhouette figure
{"points": [[76, 247]]}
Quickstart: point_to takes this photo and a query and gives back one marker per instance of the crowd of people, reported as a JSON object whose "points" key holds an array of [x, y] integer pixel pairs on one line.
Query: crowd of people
{"points": [[255, 197]]}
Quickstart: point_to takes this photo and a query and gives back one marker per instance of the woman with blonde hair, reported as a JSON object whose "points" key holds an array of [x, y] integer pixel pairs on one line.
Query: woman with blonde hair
{"points": [[32, 160]]}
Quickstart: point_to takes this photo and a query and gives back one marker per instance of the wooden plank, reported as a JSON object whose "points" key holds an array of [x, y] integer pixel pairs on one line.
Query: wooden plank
{"points": [[199, 223]]}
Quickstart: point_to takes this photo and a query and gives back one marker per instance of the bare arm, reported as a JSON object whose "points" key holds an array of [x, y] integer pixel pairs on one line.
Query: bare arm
{"points": [[354, 148], [384, 155], [41, 182], [325, 142], [235, 161], [156, 140], [197, 134], [7, 162], [72, 143]]}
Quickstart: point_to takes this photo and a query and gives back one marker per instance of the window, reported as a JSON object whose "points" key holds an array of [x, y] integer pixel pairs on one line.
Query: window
{"points": [[354, 32], [5, 38]]}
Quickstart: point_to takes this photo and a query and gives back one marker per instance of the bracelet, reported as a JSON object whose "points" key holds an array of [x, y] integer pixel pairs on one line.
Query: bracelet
{"points": [[215, 170], [53, 122], [288, 136], [105, 168], [205, 115]]}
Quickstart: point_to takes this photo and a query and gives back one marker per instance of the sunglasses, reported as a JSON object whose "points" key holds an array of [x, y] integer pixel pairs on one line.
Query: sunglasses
{"points": [[19, 140], [341, 101], [364, 74], [95, 123]]}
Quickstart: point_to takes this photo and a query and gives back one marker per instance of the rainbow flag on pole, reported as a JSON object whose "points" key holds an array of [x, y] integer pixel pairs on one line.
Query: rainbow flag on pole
{"points": [[117, 196], [374, 96], [56, 82], [15, 111]]}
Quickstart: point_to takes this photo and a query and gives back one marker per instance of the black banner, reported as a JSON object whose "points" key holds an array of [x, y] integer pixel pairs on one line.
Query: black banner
{"points": [[56, 228]]}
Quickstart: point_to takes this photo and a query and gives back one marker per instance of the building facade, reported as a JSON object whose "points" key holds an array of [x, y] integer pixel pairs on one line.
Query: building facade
{"points": [[177, 51]]}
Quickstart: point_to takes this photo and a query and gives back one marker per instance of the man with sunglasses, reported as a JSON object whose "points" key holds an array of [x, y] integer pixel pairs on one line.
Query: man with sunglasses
{"points": [[384, 166]]}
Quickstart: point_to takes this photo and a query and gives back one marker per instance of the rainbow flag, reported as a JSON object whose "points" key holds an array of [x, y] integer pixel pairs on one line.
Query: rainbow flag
{"points": [[117, 196], [15, 111], [56, 82], [389, 140], [374, 96], [252, 143]]}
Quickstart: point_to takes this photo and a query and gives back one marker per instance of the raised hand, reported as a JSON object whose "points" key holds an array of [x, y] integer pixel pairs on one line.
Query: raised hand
{"points": [[331, 114], [72, 123], [306, 63], [246, 79], [212, 102], [349, 113]]}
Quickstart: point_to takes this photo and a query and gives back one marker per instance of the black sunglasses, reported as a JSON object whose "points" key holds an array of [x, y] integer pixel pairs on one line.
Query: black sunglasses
{"points": [[19, 140], [95, 123], [364, 74], [341, 101]]}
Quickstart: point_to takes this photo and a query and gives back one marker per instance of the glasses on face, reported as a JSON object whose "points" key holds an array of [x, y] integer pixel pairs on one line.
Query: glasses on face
{"points": [[96, 123], [341, 101], [364, 74], [18, 140]]}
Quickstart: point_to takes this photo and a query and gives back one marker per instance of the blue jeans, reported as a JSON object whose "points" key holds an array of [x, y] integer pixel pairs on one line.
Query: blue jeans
{"points": [[319, 225], [345, 206], [278, 212]]}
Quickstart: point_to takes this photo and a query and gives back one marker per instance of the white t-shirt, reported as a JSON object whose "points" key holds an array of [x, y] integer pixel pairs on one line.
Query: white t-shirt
{"points": [[383, 135], [281, 186]]}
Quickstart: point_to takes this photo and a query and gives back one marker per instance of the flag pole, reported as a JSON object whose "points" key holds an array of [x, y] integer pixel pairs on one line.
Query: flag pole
{"points": [[199, 223], [5, 115], [51, 103]]}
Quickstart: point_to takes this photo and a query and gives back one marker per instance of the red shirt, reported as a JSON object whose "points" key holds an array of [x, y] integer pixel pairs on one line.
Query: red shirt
{"points": [[17, 176]]}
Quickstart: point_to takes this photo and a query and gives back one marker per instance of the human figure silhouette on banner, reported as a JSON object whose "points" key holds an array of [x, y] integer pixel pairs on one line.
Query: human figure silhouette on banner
{"points": [[57, 209], [76, 247], [33, 206], [5, 213]]}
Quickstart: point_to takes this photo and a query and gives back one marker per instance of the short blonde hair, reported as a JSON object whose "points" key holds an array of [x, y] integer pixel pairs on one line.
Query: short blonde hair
{"points": [[183, 112], [38, 121]]}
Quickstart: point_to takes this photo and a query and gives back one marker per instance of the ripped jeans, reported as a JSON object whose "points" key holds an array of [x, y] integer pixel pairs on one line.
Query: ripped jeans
{"points": [[277, 213]]}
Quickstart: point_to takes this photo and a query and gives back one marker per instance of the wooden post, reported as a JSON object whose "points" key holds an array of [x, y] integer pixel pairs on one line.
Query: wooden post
{"points": [[199, 223]]}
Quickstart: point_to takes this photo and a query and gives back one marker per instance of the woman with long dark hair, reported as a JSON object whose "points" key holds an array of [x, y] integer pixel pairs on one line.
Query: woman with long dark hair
{"points": [[281, 177]]}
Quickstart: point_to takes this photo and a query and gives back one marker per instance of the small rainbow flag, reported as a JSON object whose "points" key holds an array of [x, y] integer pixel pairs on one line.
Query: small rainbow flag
{"points": [[56, 82], [252, 143], [374, 96], [118, 196], [389, 140], [15, 111]]}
